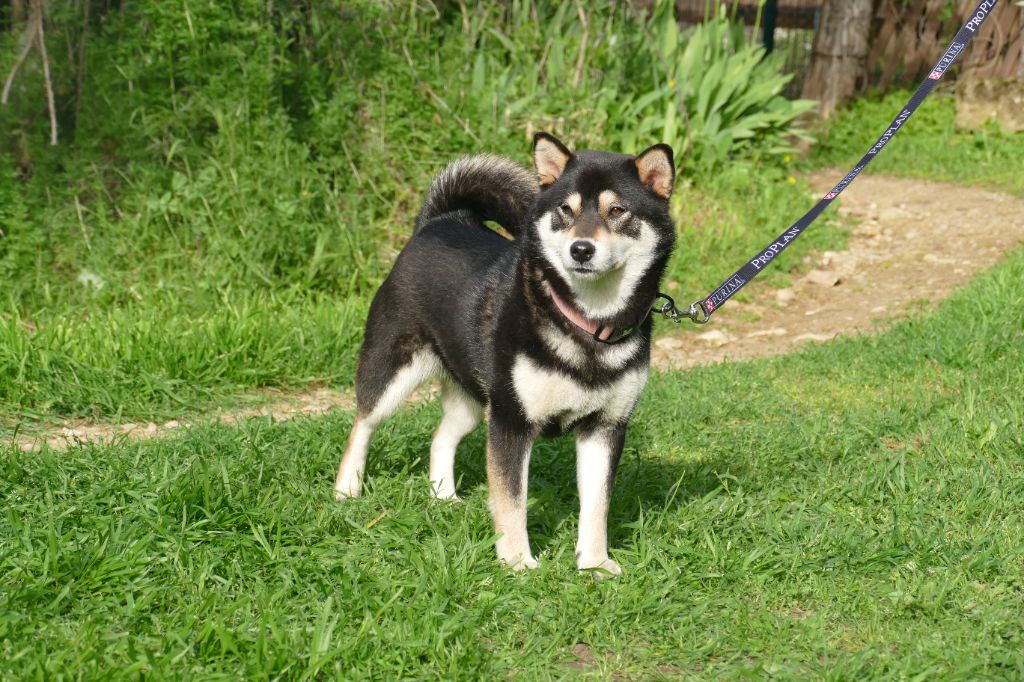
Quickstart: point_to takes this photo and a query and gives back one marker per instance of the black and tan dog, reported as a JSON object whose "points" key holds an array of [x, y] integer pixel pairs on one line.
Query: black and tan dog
{"points": [[540, 334]]}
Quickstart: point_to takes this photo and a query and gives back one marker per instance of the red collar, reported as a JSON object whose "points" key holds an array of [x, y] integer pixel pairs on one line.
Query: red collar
{"points": [[577, 319]]}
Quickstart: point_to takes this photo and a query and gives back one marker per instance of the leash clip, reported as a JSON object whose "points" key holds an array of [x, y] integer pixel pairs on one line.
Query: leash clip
{"points": [[696, 314]]}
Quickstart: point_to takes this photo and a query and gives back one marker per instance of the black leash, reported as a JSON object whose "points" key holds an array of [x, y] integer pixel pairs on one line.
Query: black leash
{"points": [[701, 311]]}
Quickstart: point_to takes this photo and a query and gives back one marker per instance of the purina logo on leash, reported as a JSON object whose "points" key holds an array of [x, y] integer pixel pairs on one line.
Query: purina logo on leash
{"points": [[831, 195], [951, 54]]}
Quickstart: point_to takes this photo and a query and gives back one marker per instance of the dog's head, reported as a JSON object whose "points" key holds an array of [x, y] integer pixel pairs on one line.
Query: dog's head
{"points": [[602, 220]]}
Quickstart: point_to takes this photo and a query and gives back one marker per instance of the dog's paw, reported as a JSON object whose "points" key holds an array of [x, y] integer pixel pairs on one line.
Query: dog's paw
{"points": [[519, 562], [343, 491], [601, 569], [443, 491], [524, 564]]}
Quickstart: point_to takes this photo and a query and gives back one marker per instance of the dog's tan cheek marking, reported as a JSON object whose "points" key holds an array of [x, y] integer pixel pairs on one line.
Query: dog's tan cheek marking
{"points": [[605, 201], [575, 202]]}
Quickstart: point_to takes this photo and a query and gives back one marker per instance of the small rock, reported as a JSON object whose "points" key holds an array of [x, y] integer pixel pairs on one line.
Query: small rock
{"points": [[716, 337], [892, 213], [673, 285], [774, 331], [173, 424], [822, 278], [939, 260], [784, 296], [814, 337], [669, 343]]}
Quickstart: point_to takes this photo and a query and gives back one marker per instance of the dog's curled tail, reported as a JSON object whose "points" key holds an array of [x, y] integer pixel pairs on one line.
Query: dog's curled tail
{"points": [[491, 187]]}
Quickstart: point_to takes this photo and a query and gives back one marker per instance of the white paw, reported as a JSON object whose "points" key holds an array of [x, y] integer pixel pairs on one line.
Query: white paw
{"points": [[444, 491], [346, 489], [523, 564], [600, 568], [517, 561]]}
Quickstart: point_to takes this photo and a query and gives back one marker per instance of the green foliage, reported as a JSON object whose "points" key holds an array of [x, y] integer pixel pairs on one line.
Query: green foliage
{"points": [[846, 513], [261, 145], [707, 91], [713, 94], [19, 242], [241, 155], [160, 361]]}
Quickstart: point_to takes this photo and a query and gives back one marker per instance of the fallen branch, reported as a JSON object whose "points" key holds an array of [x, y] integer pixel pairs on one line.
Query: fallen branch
{"points": [[35, 35], [27, 39], [46, 73]]}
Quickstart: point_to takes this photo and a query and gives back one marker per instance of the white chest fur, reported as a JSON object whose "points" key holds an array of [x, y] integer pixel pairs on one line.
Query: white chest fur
{"points": [[547, 393]]}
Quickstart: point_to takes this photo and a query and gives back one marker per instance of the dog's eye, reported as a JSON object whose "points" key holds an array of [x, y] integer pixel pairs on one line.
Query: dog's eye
{"points": [[616, 211], [566, 209]]}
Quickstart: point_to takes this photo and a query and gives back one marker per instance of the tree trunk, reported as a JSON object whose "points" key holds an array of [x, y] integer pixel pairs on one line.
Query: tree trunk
{"points": [[839, 56]]}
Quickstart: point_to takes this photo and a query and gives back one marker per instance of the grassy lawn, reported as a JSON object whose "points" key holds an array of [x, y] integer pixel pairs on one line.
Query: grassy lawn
{"points": [[850, 512]]}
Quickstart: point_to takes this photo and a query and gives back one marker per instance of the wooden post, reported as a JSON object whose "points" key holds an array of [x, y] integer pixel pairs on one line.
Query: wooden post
{"points": [[839, 55]]}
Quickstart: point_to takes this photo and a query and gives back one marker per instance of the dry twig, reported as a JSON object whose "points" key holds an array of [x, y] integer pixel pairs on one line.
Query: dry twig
{"points": [[34, 35], [46, 71], [28, 39]]}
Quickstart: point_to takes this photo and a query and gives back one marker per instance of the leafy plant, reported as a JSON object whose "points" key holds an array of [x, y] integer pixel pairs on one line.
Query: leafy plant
{"points": [[713, 94]]}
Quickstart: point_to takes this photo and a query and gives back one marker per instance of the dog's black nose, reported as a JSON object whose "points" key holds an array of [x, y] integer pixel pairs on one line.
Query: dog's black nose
{"points": [[581, 251]]}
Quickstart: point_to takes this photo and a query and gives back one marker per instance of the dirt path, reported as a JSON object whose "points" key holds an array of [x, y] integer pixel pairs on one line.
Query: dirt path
{"points": [[913, 242], [280, 406]]}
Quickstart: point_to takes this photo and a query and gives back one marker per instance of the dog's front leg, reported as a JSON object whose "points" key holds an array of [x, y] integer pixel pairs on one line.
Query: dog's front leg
{"points": [[597, 457], [509, 441]]}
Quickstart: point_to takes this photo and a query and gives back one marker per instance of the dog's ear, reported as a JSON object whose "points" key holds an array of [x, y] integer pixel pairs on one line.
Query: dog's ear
{"points": [[657, 170], [550, 157]]}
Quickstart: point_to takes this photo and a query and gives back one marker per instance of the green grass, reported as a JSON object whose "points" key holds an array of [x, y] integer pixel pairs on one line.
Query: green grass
{"points": [[849, 512], [157, 361], [929, 146], [214, 222], [163, 352]]}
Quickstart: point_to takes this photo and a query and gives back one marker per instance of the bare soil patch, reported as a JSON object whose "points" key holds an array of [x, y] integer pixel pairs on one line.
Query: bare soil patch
{"points": [[276, 404], [912, 243]]}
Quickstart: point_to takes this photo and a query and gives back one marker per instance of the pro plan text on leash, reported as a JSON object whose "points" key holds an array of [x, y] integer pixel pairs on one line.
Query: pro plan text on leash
{"points": [[543, 334]]}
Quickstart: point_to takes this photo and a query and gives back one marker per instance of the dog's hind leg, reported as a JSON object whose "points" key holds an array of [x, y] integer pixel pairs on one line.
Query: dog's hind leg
{"points": [[597, 457], [380, 389], [461, 415]]}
